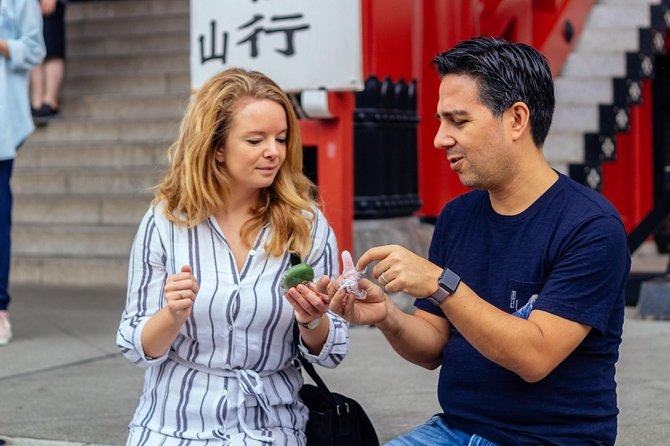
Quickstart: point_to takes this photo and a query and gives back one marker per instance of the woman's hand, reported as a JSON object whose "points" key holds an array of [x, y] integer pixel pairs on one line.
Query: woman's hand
{"points": [[47, 6], [180, 292], [308, 303]]}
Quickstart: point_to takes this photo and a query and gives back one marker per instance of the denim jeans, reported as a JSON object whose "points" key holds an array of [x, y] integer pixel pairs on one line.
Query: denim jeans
{"points": [[438, 433], [5, 229]]}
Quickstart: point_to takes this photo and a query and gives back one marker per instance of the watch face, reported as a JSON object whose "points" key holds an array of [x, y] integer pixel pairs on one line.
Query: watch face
{"points": [[449, 280]]}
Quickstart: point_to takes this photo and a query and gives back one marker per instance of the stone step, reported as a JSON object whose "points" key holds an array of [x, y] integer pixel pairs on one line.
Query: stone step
{"points": [[594, 64], [127, 181], [72, 240], [564, 147], [130, 26], [69, 271], [171, 62], [614, 39], [109, 106], [76, 85], [563, 168], [121, 10], [618, 16], [33, 209], [576, 117], [583, 90], [82, 154], [629, 2], [126, 45], [107, 130]]}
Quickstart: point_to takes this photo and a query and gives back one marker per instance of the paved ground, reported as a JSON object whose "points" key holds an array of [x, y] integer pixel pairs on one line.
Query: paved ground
{"points": [[63, 383]]}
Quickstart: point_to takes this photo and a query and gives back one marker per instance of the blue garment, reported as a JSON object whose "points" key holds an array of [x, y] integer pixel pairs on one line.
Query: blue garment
{"points": [[436, 432], [5, 229], [21, 27], [567, 254]]}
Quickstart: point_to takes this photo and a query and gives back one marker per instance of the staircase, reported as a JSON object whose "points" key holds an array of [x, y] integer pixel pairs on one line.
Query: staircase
{"points": [[82, 183], [600, 81]]}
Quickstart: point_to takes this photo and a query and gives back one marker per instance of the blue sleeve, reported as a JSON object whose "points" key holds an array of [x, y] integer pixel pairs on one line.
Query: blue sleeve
{"points": [[590, 274], [26, 49]]}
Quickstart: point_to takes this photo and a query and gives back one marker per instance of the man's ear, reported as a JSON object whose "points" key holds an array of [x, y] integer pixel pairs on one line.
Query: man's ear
{"points": [[519, 116]]}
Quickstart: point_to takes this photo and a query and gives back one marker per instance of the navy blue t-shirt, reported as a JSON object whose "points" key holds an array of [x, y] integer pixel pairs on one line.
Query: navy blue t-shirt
{"points": [[567, 254]]}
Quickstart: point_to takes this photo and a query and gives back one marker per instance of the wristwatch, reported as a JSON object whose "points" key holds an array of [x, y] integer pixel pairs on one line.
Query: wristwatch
{"points": [[310, 325], [447, 284]]}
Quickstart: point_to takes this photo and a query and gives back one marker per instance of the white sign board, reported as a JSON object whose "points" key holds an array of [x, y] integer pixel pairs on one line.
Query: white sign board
{"points": [[300, 44]]}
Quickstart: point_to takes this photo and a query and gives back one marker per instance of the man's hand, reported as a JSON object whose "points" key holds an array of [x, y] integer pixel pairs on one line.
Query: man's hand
{"points": [[399, 269], [369, 311]]}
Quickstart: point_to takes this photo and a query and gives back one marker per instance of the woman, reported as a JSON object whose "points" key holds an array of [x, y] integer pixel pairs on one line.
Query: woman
{"points": [[21, 48], [205, 311]]}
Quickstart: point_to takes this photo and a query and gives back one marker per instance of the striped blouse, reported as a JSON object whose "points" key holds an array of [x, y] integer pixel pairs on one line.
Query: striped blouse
{"points": [[230, 376]]}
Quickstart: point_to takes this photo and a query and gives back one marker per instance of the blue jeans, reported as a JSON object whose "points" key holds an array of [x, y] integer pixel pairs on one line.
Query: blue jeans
{"points": [[6, 167], [438, 433]]}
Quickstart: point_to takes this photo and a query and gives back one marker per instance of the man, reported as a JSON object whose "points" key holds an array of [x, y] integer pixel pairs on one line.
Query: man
{"points": [[521, 301]]}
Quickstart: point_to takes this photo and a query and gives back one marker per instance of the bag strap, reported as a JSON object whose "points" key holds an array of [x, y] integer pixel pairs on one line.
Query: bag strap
{"points": [[308, 366]]}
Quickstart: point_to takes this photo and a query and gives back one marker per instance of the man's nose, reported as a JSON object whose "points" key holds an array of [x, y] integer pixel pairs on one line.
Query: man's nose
{"points": [[443, 139]]}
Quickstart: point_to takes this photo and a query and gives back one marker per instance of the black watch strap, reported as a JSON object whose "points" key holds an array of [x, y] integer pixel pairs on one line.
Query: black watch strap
{"points": [[447, 285]]}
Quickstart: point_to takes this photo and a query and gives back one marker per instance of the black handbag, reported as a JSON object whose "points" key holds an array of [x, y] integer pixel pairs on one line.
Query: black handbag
{"points": [[334, 419]]}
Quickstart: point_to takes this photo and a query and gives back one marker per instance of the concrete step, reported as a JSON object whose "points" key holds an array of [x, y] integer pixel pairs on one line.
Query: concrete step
{"points": [[131, 26], [109, 106], [69, 271], [629, 2], [170, 62], [34, 209], [72, 240], [86, 181], [575, 117], [583, 90], [121, 10], [614, 39], [76, 85], [125, 45], [107, 130], [596, 64], [81, 154], [561, 167], [564, 147], [632, 15]]}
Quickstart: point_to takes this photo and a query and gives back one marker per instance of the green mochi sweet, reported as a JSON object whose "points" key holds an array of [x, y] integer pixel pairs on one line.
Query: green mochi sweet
{"points": [[297, 274]]}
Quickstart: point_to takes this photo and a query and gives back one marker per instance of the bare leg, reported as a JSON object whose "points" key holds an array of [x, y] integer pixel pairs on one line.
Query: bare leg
{"points": [[54, 70], [37, 87]]}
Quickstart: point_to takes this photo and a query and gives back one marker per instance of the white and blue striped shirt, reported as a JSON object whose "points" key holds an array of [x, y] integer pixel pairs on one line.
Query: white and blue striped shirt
{"points": [[230, 375]]}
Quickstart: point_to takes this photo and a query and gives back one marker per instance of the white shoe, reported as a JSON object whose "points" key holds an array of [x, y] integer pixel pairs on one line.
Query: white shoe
{"points": [[5, 328]]}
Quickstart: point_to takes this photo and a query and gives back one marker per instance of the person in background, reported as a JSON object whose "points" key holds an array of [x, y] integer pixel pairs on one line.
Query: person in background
{"points": [[521, 301], [205, 312], [21, 48], [46, 79]]}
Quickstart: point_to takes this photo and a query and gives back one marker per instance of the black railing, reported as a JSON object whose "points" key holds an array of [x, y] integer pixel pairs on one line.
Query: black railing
{"points": [[385, 150]]}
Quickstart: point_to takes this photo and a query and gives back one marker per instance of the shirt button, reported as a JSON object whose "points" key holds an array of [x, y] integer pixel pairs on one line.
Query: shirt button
{"points": [[236, 287], [252, 252]]}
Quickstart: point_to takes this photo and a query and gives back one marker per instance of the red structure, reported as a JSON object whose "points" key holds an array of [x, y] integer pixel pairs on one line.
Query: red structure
{"points": [[400, 38]]}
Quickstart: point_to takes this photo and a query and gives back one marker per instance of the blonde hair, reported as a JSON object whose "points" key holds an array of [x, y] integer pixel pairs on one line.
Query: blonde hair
{"points": [[196, 185]]}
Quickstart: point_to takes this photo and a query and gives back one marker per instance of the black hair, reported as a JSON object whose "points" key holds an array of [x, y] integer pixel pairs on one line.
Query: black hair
{"points": [[506, 73]]}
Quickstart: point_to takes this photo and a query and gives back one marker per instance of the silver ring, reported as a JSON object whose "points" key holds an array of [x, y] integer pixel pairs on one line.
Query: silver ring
{"points": [[384, 279], [179, 292]]}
